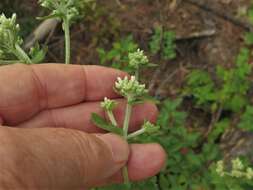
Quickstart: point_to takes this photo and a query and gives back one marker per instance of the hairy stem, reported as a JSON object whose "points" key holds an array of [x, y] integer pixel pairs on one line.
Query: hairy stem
{"points": [[21, 55], [125, 134], [112, 118], [136, 133], [127, 119], [66, 28], [125, 176], [137, 74]]}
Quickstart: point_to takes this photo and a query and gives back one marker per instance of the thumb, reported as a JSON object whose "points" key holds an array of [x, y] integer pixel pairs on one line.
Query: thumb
{"points": [[49, 158]]}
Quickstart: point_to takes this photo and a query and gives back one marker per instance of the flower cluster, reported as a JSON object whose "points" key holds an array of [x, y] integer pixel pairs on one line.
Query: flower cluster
{"points": [[65, 9], [220, 168], [238, 170], [9, 36], [150, 128], [130, 88], [108, 104], [137, 59]]}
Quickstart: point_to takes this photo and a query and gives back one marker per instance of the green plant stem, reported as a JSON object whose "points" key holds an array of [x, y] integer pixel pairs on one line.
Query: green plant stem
{"points": [[137, 74], [66, 28], [127, 119], [136, 133], [125, 134], [125, 176], [112, 118], [21, 55], [7, 62]]}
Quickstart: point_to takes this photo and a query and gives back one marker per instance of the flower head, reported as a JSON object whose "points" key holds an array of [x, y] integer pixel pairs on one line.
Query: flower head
{"points": [[9, 36], [108, 104], [220, 168], [149, 127], [237, 164], [237, 173], [249, 173], [137, 59], [66, 9], [130, 88]]}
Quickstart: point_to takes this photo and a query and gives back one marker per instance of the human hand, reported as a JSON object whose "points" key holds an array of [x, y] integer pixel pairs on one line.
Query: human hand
{"points": [[47, 140]]}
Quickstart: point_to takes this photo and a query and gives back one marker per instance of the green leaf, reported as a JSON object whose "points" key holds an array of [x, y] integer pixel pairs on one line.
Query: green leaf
{"points": [[156, 39], [246, 121], [38, 54], [248, 38], [152, 129], [219, 129], [250, 15], [101, 123], [169, 47]]}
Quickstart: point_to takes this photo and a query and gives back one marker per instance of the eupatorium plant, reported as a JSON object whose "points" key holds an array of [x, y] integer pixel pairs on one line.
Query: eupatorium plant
{"points": [[68, 11], [134, 92]]}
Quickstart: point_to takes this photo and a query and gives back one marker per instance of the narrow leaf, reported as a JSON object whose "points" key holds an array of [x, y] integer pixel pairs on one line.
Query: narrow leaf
{"points": [[101, 123]]}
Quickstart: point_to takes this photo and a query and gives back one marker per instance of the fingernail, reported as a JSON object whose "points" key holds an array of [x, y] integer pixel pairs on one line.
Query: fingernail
{"points": [[118, 146]]}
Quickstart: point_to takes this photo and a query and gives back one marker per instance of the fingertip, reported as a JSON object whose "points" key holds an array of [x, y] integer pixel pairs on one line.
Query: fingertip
{"points": [[145, 161]]}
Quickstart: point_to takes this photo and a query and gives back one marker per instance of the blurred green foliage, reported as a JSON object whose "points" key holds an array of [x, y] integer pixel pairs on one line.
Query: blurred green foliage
{"points": [[163, 42]]}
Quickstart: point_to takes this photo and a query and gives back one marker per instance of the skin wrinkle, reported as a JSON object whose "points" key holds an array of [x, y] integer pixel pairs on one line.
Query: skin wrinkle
{"points": [[84, 83], [83, 154], [53, 118], [78, 116], [17, 152], [88, 148], [41, 166], [41, 89]]}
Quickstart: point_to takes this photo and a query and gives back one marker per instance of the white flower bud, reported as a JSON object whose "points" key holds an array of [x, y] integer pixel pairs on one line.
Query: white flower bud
{"points": [[108, 104], [9, 34]]}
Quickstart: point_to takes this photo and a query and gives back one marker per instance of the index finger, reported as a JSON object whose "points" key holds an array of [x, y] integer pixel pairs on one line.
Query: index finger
{"points": [[26, 90]]}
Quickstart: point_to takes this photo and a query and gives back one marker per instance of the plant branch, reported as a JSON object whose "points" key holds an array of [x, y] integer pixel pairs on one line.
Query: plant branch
{"points": [[127, 119], [136, 133], [66, 28], [21, 55], [125, 175], [215, 119], [112, 118]]}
